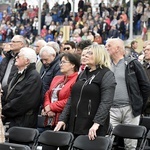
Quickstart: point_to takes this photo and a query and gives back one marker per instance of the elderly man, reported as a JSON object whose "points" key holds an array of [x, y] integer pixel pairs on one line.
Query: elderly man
{"points": [[132, 89], [50, 66], [7, 67], [39, 44]]}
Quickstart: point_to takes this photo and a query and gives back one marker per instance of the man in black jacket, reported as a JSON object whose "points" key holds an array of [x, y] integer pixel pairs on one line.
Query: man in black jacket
{"points": [[132, 89], [7, 67]]}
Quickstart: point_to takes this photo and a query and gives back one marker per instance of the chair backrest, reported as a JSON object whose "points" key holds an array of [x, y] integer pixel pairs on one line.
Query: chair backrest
{"points": [[130, 132], [100, 143], [23, 135], [145, 121], [12, 146], [58, 139]]}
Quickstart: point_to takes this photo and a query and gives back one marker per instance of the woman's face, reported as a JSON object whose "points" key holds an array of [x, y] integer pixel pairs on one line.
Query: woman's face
{"points": [[66, 67], [89, 58], [83, 57]]}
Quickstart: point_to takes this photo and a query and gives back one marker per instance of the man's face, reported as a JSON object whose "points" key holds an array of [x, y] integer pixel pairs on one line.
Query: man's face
{"points": [[46, 59], [111, 48], [68, 49], [147, 53], [38, 47], [16, 44]]}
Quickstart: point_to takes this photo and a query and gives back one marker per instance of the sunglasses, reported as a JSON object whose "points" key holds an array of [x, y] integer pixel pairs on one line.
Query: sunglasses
{"points": [[66, 48]]}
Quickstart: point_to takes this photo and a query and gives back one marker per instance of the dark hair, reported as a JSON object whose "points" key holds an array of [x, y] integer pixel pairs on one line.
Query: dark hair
{"points": [[133, 42], [83, 44], [73, 59], [71, 43]]}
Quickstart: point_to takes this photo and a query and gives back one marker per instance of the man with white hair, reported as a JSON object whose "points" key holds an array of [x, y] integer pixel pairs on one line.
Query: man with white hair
{"points": [[21, 100], [50, 66]]}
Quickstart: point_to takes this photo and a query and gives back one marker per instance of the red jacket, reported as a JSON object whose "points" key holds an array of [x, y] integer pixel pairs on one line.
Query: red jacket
{"points": [[63, 94]]}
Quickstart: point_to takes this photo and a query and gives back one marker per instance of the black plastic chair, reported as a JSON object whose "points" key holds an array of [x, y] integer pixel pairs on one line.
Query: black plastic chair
{"points": [[12, 146], [82, 142], [145, 121], [147, 139], [128, 131], [57, 139], [22, 135]]}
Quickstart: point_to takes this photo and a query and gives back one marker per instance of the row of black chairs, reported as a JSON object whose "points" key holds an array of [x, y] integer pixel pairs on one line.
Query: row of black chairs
{"points": [[21, 138]]}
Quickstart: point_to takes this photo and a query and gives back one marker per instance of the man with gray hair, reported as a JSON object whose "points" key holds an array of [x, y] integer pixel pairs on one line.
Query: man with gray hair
{"points": [[54, 45], [131, 91], [38, 45], [7, 67], [50, 66]]}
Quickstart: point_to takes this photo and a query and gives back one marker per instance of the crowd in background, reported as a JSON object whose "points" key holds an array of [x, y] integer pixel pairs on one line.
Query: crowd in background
{"points": [[97, 25]]}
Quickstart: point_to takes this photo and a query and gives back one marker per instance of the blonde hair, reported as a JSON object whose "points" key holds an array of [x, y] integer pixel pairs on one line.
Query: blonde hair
{"points": [[101, 55]]}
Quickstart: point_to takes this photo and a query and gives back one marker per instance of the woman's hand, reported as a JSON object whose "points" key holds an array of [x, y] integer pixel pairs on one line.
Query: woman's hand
{"points": [[43, 113], [51, 114], [92, 131], [60, 125], [47, 108]]}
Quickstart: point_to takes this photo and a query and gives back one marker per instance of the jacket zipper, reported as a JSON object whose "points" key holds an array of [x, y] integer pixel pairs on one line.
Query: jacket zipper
{"points": [[80, 98], [89, 107]]}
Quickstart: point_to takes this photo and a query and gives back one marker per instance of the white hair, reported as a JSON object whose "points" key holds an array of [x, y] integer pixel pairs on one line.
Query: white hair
{"points": [[54, 45], [48, 49], [29, 53]]}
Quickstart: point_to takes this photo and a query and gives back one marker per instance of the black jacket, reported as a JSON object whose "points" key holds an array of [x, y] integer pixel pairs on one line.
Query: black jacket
{"points": [[3, 66], [138, 85], [90, 102], [47, 74], [22, 98]]}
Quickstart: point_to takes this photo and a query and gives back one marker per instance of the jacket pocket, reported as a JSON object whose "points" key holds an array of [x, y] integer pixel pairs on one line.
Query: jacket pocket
{"points": [[89, 107]]}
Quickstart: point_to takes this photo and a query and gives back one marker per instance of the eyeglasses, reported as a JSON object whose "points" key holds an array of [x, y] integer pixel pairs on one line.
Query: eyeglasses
{"points": [[18, 56], [63, 62], [89, 52], [15, 41], [66, 48]]}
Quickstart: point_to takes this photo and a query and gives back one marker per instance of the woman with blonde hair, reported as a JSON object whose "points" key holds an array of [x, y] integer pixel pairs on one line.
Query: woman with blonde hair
{"points": [[87, 110]]}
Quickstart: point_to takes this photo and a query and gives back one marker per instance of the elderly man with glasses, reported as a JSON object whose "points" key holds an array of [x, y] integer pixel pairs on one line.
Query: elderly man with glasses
{"points": [[7, 67]]}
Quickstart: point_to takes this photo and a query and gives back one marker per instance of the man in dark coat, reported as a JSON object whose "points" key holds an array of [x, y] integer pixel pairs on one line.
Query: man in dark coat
{"points": [[50, 66], [24, 92]]}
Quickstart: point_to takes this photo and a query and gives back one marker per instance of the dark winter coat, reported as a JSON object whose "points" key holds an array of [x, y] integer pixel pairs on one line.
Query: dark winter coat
{"points": [[22, 99], [138, 85]]}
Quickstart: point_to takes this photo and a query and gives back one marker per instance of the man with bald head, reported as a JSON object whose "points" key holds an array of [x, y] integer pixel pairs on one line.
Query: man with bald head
{"points": [[132, 89], [7, 67]]}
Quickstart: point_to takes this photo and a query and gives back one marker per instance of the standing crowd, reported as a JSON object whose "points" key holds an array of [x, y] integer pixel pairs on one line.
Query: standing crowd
{"points": [[81, 85]]}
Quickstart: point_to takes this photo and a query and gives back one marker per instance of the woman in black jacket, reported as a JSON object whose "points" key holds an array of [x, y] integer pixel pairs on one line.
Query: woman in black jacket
{"points": [[87, 110]]}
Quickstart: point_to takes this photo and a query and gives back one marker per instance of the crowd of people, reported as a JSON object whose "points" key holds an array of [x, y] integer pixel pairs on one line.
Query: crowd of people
{"points": [[106, 21], [80, 85]]}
